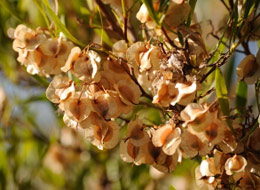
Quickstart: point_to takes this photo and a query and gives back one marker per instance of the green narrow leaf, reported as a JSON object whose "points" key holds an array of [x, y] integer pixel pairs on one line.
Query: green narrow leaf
{"points": [[152, 13], [192, 5], [222, 94], [241, 96], [59, 24], [172, 188], [42, 11], [234, 28], [221, 91]]}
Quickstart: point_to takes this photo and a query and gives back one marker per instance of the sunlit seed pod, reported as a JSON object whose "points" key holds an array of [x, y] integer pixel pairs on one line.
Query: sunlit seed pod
{"points": [[55, 53], [59, 89], [166, 92], [133, 53], [213, 166], [33, 61], [168, 137], [186, 93], [107, 80], [196, 116], [119, 49], [253, 162], [26, 38], [235, 164], [84, 65], [103, 135], [77, 106], [144, 17], [169, 164], [130, 153], [136, 133], [116, 69], [177, 14], [192, 146], [247, 180], [204, 182], [229, 143], [213, 133], [124, 108], [105, 104], [70, 122], [207, 167], [149, 59], [249, 69], [92, 119], [150, 153], [128, 91]]}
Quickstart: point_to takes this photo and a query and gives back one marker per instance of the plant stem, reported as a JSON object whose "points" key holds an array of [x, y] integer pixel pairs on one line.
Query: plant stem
{"points": [[110, 18]]}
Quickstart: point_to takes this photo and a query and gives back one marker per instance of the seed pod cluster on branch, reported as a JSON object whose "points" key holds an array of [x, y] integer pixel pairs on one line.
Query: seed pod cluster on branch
{"points": [[99, 92]]}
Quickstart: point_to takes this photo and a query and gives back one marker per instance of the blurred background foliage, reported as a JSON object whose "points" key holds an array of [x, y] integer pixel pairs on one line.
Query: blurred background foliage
{"points": [[37, 151]]}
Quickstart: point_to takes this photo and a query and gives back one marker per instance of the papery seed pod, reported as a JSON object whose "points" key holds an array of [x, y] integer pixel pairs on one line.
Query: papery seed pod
{"points": [[247, 180], [204, 182], [196, 116], [249, 69], [26, 38], [128, 91], [167, 137], [136, 133], [144, 17], [186, 93], [166, 91], [119, 49], [235, 164], [84, 65], [150, 153], [143, 56], [192, 146], [107, 80], [54, 55], [78, 106], [177, 14], [213, 133], [208, 168], [145, 59], [92, 119], [116, 69], [169, 164], [253, 160], [130, 153], [229, 143], [103, 135], [59, 89], [105, 103]]}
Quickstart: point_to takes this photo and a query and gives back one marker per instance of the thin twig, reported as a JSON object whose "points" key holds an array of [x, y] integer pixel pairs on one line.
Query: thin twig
{"points": [[224, 3], [168, 38], [110, 18]]}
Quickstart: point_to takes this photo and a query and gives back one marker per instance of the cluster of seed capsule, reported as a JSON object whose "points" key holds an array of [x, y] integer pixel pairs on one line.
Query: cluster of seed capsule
{"points": [[94, 91]]}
